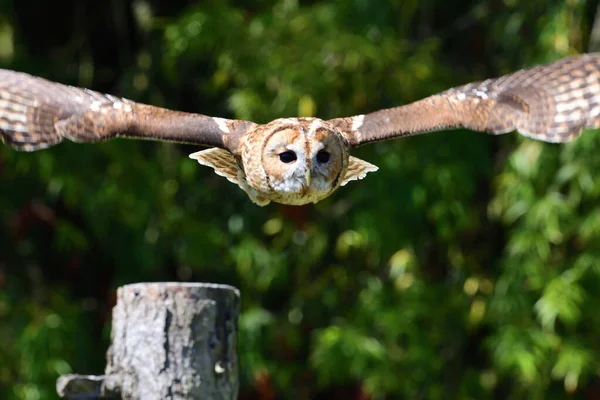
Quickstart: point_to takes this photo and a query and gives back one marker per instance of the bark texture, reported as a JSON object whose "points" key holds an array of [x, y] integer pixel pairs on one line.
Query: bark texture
{"points": [[170, 341]]}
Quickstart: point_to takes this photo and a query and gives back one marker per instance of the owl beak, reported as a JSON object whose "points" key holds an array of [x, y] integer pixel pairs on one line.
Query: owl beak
{"points": [[307, 178]]}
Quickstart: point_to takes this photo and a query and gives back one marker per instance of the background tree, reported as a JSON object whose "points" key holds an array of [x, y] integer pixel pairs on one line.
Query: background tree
{"points": [[467, 267]]}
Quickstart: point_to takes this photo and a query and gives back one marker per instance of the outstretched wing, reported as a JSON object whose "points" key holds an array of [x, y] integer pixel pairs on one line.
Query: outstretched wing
{"points": [[36, 113], [552, 102]]}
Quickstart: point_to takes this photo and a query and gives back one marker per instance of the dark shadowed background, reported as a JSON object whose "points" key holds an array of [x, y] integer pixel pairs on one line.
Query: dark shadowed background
{"points": [[468, 267]]}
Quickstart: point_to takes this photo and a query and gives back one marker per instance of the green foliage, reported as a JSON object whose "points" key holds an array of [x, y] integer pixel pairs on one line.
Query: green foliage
{"points": [[467, 267]]}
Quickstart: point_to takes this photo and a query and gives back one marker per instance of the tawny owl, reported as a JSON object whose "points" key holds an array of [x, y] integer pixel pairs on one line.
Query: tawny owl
{"points": [[303, 160]]}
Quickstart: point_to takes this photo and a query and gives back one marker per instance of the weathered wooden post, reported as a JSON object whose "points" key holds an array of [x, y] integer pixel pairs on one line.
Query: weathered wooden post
{"points": [[168, 341]]}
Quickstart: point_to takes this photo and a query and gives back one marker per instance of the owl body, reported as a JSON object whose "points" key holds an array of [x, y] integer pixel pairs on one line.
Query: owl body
{"points": [[292, 161], [303, 160]]}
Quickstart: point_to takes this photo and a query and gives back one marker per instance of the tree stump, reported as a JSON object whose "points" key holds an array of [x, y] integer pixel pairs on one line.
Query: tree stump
{"points": [[168, 341]]}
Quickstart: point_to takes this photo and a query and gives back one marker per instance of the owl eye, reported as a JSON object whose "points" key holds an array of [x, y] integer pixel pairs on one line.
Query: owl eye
{"points": [[323, 157], [288, 157]]}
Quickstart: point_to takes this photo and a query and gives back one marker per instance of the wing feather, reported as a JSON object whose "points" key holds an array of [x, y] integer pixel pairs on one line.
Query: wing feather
{"points": [[552, 103], [36, 113]]}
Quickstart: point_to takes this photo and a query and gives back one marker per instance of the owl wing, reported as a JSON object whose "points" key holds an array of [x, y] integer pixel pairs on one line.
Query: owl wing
{"points": [[552, 103], [36, 113]]}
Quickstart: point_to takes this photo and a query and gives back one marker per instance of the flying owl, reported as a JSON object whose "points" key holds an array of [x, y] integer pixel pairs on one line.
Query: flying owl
{"points": [[303, 160]]}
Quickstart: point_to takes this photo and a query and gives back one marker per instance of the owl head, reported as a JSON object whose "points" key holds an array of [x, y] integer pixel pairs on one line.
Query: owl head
{"points": [[292, 161]]}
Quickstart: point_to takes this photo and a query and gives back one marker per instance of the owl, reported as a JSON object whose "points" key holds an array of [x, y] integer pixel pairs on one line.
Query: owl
{"points": [[304, 160]]}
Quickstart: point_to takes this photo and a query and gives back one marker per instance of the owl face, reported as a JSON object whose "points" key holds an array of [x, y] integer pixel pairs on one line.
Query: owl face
{"points": [[291, 161], [295, 161]]}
